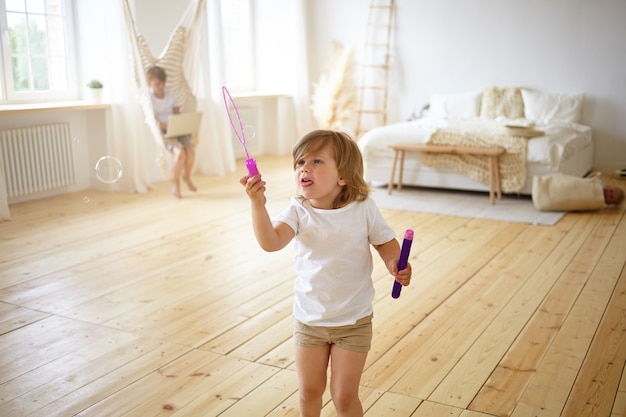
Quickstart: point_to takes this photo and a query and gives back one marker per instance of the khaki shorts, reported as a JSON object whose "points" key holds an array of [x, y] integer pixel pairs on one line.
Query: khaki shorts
{"points": [[356, 337], [178, 142]]}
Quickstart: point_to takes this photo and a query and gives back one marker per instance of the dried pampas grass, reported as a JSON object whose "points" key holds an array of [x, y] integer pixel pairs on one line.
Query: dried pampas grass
{"points": [[334, 98]]}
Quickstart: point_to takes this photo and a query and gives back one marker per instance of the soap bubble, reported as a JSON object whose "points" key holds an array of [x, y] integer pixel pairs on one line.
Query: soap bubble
{"points": [[108, 169], [85, 199], [249, 131]]}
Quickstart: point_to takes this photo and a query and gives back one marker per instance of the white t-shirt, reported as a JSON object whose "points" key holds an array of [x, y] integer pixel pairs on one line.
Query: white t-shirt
{"points": [[333, 260], [164, 107]]}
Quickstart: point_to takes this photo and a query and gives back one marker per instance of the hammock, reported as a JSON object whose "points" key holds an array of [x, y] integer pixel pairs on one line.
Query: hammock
{"points": [[185, 60]]}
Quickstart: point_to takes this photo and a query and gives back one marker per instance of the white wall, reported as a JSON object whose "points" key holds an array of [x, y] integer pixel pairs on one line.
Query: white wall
{"points": [[157, 19], [444, 46]]}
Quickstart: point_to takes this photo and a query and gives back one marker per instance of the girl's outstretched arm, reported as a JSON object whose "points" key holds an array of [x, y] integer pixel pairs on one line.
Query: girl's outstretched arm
{"points": [[271, 237], [390, 254]]}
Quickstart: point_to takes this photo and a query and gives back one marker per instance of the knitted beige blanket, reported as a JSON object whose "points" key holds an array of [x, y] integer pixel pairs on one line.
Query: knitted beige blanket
{"points": [[481, 133]]}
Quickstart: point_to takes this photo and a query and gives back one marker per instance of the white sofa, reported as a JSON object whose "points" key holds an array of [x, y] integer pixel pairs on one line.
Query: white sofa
{"points": [[564, 144]]}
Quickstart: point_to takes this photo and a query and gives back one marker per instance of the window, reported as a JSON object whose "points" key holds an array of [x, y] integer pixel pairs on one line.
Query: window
{"points": [[238, 38], [36, 50]]}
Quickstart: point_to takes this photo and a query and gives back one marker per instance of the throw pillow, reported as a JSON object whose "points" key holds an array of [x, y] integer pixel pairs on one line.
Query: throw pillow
{"points": [[544, 108], [455, 105], [504, 102]]}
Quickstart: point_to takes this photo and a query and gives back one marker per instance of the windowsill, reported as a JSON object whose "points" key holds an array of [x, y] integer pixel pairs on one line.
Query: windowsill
{"points": [[258, 94], [59, 105]]}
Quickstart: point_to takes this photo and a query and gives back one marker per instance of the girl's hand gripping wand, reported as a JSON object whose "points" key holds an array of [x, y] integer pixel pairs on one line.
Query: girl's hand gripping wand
{"points": [[402, 262]]}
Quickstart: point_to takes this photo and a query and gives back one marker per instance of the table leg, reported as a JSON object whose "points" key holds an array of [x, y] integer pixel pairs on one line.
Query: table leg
{"points": [[492, 181], [498, 180], [393, 171], [401, 169]]}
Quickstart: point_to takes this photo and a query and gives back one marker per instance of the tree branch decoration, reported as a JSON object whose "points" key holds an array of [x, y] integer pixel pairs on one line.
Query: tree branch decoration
{"points": [[334, 98]]}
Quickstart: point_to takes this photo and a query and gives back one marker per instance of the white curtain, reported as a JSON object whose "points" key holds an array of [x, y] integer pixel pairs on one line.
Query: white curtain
{"points": [[285, 69], [302, 89], [126, 132], [215, 152]]}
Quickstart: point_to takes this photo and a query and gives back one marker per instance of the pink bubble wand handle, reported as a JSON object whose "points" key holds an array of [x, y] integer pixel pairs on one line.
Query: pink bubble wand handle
{"points": [[403, 261], [251, 167]]}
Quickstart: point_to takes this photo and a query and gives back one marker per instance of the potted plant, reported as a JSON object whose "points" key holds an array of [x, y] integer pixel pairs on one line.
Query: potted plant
{"points": [[95, 90]]}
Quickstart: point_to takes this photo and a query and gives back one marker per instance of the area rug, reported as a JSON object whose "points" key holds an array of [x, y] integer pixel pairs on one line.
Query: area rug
{"points": [[512, 208]]}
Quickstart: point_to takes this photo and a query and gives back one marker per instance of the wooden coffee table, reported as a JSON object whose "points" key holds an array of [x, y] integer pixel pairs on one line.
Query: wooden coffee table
{"points": [[492, 154]]}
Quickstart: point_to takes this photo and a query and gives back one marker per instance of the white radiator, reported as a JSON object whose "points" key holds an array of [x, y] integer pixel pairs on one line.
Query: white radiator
{"points": [[37, 158], [250, 119]]}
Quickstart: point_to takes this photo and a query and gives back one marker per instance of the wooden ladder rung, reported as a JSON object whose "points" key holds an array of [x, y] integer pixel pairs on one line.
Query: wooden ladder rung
{"points": [[372, 111]]}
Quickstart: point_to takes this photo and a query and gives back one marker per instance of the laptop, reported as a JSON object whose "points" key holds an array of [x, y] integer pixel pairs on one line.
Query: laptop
{"points": [[183, 124]]}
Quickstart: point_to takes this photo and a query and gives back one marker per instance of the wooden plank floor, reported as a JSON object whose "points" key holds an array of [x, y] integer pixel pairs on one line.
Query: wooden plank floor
{"points": [[144, 305]]}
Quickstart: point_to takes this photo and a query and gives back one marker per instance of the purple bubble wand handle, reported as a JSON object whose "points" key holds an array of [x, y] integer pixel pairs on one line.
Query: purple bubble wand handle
{"points": [[403, 261]]}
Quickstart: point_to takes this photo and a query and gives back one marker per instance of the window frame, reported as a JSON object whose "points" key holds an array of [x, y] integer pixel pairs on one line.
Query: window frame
{"points": [[8, 95]]}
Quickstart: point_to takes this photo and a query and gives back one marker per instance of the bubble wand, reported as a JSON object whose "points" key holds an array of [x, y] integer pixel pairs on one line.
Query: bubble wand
{"points": [[233, 112], [403, 261]]}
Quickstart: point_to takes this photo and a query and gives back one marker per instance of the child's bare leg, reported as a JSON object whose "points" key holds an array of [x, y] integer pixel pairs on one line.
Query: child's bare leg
{"points": [[189, 161], [179, 163], [345, 377], [312, 365]]}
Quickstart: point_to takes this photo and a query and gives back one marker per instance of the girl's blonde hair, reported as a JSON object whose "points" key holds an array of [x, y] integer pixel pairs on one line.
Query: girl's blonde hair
{"points": [[347, 156]]}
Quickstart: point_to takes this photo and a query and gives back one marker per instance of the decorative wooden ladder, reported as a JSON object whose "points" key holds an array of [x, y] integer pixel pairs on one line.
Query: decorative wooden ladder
{"points": [[372, 90]]}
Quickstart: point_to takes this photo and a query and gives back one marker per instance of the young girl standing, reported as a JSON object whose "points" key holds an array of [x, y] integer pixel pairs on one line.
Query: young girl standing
{"points": [[333, 221]]}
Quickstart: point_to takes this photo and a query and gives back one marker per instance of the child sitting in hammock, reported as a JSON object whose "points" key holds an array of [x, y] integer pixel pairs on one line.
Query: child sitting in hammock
{"points": [[165, 104]]}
